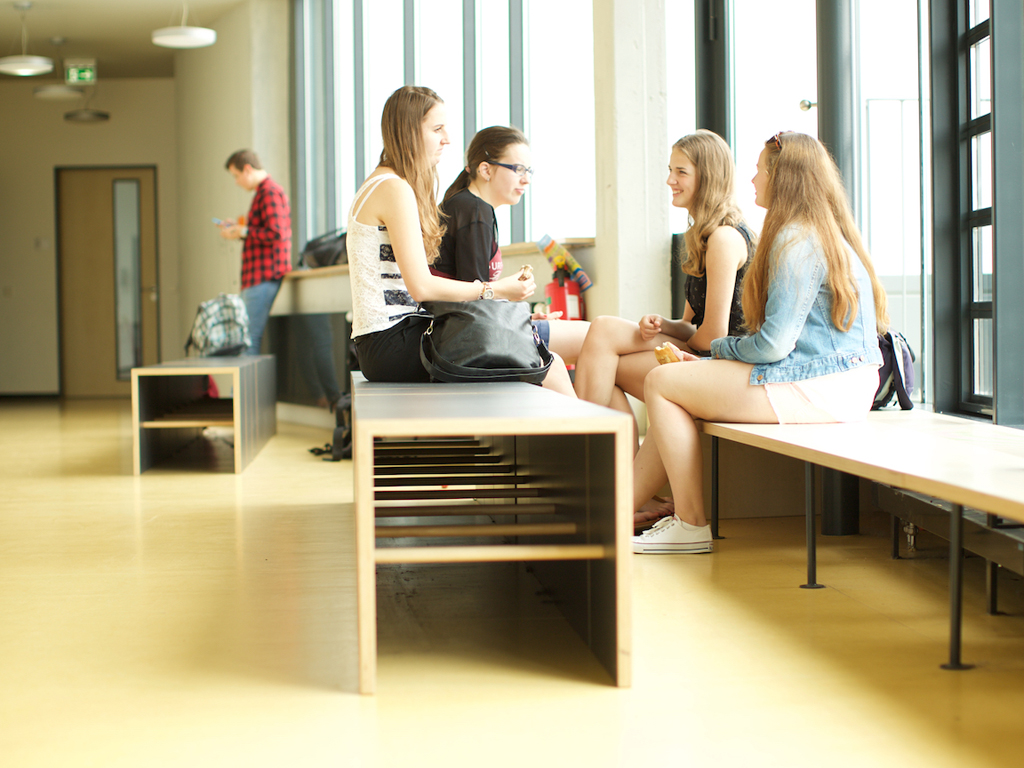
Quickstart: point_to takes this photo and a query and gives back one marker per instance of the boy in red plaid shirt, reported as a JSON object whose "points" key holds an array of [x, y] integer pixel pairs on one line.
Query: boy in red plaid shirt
{"points": [[267, 235]]}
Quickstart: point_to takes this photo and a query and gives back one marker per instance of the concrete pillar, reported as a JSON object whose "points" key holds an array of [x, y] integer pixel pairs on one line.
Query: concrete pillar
{"points": [[631, 259]]}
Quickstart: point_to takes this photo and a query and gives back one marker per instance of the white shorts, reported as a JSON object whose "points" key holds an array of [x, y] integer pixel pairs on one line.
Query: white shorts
{"points": [[844, 396]]}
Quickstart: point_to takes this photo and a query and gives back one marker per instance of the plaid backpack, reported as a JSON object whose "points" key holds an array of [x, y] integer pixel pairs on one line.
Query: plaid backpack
{"points": [[221, 327], [896, 376]]}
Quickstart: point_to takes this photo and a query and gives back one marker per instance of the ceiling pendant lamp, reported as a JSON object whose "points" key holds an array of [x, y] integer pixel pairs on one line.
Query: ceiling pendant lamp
{"points": [[184, 36], [25, 65]]}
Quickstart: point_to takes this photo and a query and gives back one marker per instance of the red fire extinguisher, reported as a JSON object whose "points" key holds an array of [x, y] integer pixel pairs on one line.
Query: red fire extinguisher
{"points": [[563, 295]]}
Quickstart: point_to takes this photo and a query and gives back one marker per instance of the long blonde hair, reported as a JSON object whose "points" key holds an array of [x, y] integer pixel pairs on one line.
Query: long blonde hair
{"points": [[401, 127], [805, 189], [714, 203]]}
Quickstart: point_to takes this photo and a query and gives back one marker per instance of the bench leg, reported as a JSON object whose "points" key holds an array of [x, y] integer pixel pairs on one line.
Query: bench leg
{"points": [[812, 552], [714, 489], [992, 587], [894, 537], [992, 575], [956, 587]]}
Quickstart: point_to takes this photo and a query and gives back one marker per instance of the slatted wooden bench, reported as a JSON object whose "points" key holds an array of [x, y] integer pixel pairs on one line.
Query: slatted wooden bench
{"points": [[170, 406], [554, 475], [964, 462]]}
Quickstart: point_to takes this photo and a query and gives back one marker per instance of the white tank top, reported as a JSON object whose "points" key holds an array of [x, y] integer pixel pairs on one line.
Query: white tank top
{"points": [[379, 296]]}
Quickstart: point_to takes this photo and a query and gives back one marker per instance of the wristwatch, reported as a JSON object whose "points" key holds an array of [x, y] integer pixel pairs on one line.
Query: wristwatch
{"points": [[486, 292]]}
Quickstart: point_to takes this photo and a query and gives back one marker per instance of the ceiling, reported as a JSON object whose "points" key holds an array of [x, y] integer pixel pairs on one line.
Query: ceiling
{"points": [[114, 32]]}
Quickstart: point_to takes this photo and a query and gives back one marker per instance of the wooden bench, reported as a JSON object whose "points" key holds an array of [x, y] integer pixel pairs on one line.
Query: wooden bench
{"points": [[555, 474], [170, 406], [966, 463]]}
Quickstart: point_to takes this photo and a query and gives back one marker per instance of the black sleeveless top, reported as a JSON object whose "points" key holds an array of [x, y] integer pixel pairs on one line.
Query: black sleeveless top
{"points": [[697, 289]]}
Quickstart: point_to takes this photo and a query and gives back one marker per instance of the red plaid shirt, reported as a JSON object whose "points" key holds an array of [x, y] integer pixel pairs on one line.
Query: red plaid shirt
{"points": [[267, 251]]}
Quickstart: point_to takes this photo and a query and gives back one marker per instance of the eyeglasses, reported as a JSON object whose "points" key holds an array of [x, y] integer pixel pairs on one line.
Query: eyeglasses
{"points": [[777, 138], [519, 170]]}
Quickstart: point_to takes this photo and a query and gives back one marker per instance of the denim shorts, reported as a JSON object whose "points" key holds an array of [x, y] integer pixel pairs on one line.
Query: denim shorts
{"points": [[543, 329]]}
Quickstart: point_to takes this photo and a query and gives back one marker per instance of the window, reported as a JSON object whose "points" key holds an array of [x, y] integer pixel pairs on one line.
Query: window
{"points": [[489, 60], [976, 79], [976, 135], [892, 207]]}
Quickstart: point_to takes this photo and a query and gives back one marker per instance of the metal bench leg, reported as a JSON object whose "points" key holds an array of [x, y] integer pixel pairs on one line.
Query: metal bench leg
{"points": [[812, 552], [956, 586], [992, 587], [894, 537], [714, 489], [992, 574]]}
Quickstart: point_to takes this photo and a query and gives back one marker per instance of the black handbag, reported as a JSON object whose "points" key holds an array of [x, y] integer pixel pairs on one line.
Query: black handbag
{"points": [[483, 340], [326, 250]]}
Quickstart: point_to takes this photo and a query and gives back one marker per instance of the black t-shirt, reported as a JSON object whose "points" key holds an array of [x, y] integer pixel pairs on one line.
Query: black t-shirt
{"points": [[697, 289], [469, 249]]}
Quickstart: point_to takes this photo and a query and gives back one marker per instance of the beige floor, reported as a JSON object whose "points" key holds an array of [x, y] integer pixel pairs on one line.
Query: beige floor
{"points": [[189, 618]]}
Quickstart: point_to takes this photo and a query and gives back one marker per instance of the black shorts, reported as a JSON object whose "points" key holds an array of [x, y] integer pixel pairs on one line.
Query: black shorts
{"points": [[394, 353]]}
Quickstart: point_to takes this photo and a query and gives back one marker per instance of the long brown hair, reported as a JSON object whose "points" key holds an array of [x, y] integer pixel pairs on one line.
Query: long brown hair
{"points": [[401, 127], [805, 189], [488, 144], [714, 203]]}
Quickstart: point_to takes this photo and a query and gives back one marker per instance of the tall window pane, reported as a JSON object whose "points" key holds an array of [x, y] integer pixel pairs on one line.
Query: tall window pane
{"points": [[493, 86], [978, 11], [345, 179], [890, 159], [770, 82], [981, 171], [383, 66], [981, 78], [983, 357], [681, 107], [439, 51], [981, 247], [560, 117]]}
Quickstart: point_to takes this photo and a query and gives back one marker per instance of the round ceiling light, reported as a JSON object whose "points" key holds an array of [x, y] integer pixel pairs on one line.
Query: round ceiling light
{"points": [[25, 66], [184, 37], [86, 116], [57, 92]]}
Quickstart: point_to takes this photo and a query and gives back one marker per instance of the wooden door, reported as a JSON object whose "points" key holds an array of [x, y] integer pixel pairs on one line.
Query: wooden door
{"points": [[109, 297]]}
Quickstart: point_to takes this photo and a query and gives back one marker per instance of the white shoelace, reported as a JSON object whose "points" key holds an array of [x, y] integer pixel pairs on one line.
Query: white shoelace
{"points": [[663, 523]]}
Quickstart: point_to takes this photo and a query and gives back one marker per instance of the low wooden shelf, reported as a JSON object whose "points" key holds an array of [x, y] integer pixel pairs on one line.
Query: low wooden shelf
{"points": [[170, 406]]}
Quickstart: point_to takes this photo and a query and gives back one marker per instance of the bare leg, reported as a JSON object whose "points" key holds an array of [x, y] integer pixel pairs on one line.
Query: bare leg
{"points": [[567, 338], [558, 379], [598, 366], [677, 394]]}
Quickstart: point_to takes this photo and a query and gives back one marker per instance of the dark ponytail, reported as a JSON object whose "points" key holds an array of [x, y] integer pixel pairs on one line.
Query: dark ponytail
{"points": [[460, 183], [488, 144]]}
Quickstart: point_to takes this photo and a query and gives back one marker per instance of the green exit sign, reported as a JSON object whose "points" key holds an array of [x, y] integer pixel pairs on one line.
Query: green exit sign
{"points": [[80, 75], [79, 71]]}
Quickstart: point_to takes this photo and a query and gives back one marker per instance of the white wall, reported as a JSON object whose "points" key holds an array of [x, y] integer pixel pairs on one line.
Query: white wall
{"points": [[34, 140], [230, 96]]}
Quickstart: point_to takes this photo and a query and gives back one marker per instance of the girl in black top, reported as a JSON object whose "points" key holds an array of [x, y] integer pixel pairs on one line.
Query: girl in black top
{"points": [[497, 173]]}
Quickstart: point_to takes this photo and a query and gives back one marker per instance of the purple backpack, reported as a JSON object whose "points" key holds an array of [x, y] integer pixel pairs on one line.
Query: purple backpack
{"points": [[896, 376]]}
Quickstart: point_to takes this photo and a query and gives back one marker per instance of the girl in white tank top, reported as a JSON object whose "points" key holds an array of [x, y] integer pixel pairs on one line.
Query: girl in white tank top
{"points": [[388, 259]]}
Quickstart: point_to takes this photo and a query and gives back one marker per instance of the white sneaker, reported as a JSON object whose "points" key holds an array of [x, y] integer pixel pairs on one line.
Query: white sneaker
{"points": [[670, 534]]}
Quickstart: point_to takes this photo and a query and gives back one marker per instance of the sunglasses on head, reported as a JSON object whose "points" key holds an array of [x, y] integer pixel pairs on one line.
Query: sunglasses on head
{"points": [[777, 138]]}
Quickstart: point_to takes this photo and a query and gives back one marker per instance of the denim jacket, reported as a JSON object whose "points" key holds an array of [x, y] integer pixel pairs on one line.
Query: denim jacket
{"points": [[798, 340]]}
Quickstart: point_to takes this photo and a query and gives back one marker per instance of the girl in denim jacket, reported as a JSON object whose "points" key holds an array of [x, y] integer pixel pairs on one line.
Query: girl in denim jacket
{"points": [[813, 306]]}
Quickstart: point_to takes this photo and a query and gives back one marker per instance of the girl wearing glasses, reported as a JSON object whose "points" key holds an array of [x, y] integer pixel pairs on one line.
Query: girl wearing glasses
{"points": [[394, 230], [497, 173], [618, 354], [812, 303]]}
